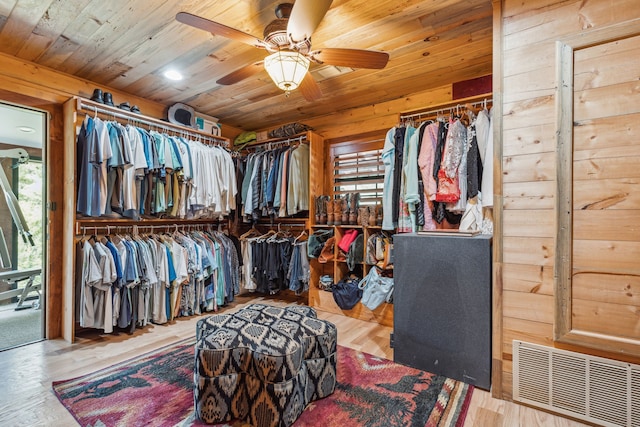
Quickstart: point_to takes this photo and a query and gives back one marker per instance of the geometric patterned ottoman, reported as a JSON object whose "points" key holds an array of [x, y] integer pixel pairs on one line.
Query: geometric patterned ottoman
{"points": [[262, 364]]}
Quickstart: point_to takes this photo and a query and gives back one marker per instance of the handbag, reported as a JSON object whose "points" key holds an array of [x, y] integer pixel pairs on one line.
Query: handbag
{"points": [[355, 254], [316, 242], [348, 238], [347, 293], [375, 289], [326, 282], [326, 254]]}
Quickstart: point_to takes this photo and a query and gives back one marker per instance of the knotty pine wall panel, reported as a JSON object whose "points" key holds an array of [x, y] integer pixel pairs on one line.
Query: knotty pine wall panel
{"points": [[530, 279], [529, 33], [529, 223], [529, 250], [618, 193], [529, 195]]}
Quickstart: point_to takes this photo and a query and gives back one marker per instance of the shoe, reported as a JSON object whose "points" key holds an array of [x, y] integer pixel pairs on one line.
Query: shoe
{"points": [[353, 208], [329, 208], [135, 109], [373, 216], [345, 209], [364, 216], [323, 209], [338, 209], [108, 99], [379, 215], [113, 215], [317, 201], [97, 96], [125, 106]]}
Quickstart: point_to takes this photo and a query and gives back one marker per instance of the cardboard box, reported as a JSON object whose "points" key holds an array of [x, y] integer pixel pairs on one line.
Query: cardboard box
{"points": [[208, 124]]}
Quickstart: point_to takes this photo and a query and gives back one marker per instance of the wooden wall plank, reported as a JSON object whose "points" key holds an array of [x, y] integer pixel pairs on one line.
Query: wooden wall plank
{"points": [[606, 132], [610, 194], [529, 250], [606, 64], [607, 168], [528, 278], [613, 100], [608, 152], [518, 114], [540, 84], [616, 320], [623, 289], [529, 223], [605, 255], [529, 140], [606, 225], [534, 57], [529, 195], [530, 167], [526, 330], [528, 306]]}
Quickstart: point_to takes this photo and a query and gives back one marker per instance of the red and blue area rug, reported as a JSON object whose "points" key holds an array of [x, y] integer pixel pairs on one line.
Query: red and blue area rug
{"points": [[157, 389]]}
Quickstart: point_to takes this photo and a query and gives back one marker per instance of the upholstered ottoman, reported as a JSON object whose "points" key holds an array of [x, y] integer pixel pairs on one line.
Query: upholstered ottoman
{"points": [[262, 364]]}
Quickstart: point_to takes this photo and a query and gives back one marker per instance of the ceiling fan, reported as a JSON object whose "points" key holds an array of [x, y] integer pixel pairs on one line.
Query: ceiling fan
{"points": [[288, 41]]}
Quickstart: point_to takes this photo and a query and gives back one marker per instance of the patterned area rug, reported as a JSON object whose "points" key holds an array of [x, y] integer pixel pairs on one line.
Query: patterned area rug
{"points": [[156, 389]]}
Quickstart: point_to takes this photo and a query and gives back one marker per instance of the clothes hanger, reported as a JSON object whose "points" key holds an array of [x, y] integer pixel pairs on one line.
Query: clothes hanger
{"points": [[303, 236]]}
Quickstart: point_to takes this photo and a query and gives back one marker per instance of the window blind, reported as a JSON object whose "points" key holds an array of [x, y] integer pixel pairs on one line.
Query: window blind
{"points": [[361, 172]]}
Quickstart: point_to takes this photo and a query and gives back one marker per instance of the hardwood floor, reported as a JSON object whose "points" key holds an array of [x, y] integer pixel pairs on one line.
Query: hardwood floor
{"points": [[27, 372]]}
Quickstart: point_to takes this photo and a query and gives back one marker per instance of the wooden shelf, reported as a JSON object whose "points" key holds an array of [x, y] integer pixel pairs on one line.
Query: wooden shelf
{"points": [[324, 301]]}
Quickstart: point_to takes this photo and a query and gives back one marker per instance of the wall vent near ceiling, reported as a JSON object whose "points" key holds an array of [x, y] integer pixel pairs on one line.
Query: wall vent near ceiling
{"points": [[330, 71], [594, 389]]}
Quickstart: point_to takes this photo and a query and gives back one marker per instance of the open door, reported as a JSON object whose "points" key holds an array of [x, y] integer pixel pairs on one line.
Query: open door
{"points": [[22, 225]]}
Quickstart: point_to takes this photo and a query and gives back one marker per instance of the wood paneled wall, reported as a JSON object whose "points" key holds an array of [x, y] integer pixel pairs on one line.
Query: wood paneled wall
{"points": [[529, 231]]}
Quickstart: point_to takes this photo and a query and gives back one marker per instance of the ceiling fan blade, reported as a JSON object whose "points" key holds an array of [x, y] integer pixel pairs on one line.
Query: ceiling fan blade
{"points": [[305, 17], [352, 58], [218, 29], [309, 88], [241, 73]]}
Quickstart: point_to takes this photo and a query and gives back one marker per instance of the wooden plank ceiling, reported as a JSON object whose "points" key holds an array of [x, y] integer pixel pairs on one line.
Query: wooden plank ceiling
{"points": [[128, 45]]}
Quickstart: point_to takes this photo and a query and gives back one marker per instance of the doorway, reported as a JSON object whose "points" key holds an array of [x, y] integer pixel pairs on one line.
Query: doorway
{"points": [[23, 136]]}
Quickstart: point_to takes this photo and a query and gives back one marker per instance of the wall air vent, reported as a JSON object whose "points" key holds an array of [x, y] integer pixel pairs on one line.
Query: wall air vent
{"points": [[330, 71], [594, 389]]}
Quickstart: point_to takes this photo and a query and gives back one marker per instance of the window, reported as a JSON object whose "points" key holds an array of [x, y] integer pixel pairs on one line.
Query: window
{"points": [[357, 167]]}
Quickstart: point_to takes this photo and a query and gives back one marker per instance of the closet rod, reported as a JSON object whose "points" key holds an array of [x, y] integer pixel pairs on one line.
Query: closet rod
{"points": [[82, 229], [274, 143], [280, 224], [84, 104], [449, 108]]}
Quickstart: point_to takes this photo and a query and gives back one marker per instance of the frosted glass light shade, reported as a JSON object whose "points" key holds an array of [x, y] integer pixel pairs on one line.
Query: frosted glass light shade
{"points": [[286, 68]]}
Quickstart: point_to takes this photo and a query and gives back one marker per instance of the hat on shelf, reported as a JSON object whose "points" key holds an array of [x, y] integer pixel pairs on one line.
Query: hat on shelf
{"points": [[125, 106]]}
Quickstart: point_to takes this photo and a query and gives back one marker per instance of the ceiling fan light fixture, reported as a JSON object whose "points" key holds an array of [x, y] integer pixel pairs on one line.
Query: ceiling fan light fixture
{"points": [[286, 68]]}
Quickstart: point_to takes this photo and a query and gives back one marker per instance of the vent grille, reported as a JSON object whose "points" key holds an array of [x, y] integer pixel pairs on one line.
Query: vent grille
{"points": [[590, 388]]}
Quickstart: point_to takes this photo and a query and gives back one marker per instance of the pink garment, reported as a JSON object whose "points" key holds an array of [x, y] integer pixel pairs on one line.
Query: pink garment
{"points": [[426, 159]]}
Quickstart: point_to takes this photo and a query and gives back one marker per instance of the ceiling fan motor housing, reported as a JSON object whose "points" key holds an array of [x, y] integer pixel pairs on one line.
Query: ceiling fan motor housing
{"points": [[275, 33]]}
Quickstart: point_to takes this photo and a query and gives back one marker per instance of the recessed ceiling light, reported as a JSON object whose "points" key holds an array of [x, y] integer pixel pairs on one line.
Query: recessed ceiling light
{"points": [[26, 129], [173, 75]]}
